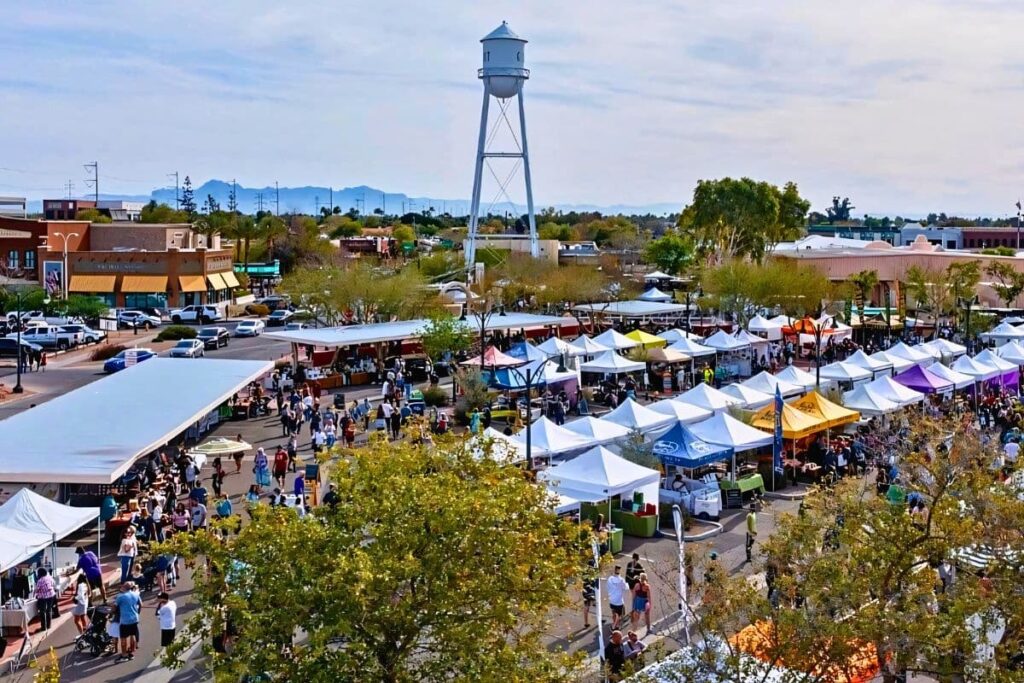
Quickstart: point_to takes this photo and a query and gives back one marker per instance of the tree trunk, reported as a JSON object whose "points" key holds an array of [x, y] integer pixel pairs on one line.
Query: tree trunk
{"points": [[246, 262]]}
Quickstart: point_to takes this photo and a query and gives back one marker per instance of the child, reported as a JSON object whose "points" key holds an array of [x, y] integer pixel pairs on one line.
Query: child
{"points": [[114, 630]]}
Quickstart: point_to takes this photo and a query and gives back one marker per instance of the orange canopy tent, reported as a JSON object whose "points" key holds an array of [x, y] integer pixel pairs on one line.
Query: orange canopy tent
{"points": [[833, 414], [760, 640]]}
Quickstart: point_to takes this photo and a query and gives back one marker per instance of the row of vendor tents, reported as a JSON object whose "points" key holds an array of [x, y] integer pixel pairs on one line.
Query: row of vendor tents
{"points": [[31, 523]]}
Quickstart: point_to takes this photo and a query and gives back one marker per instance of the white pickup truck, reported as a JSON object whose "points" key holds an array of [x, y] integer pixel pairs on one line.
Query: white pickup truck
{"points": [[49, 337]]}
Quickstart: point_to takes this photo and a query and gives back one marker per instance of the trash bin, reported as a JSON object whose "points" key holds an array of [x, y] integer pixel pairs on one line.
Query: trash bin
{"points": [[339, 400]]}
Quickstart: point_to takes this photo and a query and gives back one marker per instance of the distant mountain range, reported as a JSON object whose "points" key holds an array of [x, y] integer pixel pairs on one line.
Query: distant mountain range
{"points": [[309, 199]]}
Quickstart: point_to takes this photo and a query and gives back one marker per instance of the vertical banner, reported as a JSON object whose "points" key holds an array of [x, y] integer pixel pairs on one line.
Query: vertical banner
{"points": [[777, 441], [53, 278]]}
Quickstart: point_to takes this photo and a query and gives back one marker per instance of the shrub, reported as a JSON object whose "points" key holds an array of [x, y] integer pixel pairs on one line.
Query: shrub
{"points": [[177, 332], [106, 351], [258, 310], [474, 395], [436, 396]]}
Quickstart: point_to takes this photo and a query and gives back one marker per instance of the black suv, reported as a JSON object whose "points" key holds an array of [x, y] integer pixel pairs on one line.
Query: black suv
{"points": [[9, 348], [213, 337]]}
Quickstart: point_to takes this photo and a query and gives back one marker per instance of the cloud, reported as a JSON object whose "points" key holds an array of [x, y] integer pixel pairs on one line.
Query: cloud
{"points": [[907, 107]]}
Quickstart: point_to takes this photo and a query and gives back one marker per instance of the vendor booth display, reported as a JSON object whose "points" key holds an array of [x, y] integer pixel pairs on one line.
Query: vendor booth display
{"points": [[959, 379], [27, 515], [632, 415], [890, 389], [979, 371], [1012, 351], [681, 448], [833, 414], [599, 475], [585, 346], [655, 294], [691, 348], [493, 358], [868, 401], [611, 363], [752, 398], [707, 397], [767, 383], [875, 365], [795, 375], [667, 356], [686, 413], [844, 372], [1009, 373], [898, 364], [725, 430], [551, 439], [769, 329], [646, 339], [600, 432], [615, 340]]}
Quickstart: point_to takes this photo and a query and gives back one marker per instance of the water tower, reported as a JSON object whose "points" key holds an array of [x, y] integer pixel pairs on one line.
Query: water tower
{"points": [[503, 74]]}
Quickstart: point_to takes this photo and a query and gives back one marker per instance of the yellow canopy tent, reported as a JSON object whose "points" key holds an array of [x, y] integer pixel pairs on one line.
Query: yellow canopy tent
{"points": [[796, 424], [646, 339], [818, 406]]}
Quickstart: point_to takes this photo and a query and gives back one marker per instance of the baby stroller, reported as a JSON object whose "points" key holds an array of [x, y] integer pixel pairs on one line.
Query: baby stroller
{"points": [[95, 638]]}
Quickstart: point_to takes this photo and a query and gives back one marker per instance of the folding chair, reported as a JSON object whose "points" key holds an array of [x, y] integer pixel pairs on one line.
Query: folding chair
{"points": [[26, 653]]}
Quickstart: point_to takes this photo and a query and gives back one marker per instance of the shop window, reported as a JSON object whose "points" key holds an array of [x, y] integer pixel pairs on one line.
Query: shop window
{"points": [[30, 260], [151, 300], [12, 258]]}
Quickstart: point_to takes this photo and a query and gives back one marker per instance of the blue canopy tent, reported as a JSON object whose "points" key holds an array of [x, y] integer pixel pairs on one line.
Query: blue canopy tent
{"points": [[683, 448], [526, 351]]}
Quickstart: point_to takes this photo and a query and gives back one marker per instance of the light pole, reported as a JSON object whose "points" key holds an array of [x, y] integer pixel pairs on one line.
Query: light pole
{"points": [[888, 315], [64, 272], [18, 389], [967, 303], [819, 329], [531, 375]]}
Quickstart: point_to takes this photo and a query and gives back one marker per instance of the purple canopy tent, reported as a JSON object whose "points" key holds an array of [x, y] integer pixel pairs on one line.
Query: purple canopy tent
{"points": [[919, 379]]}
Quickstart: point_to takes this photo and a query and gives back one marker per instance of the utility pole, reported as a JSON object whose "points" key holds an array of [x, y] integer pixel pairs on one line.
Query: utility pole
{"points": [[383, 204], [316, 202], [277, 199], [94, 182], [68, 186], [177, 195], [330, 207], [1018, 225]]}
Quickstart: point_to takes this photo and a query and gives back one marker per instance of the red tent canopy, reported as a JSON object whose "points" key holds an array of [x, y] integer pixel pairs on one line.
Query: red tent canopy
{"points": [[493, 358]]}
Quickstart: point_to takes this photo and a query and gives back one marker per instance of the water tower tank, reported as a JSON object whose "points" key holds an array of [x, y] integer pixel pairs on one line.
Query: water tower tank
{"points": [[504, 58]]}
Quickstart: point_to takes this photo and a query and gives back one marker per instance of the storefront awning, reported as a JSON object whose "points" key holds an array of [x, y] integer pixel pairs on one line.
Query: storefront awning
{"points": [[216, 281], [92, 283], [230, 279], [192, 283], [143, 284]]}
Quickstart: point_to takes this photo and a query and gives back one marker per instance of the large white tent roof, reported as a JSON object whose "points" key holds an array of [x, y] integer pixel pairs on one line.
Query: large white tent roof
{"points": [[615, 340], [631, 309], [988, 357], [598, 472], [707, 397], [721, 341], [611, 362], [959, 379], [795, 375], [765, 382], [901, 350], [725, 430], [898, 363], [687, 413], [867, 362], [843, 371], [761, 324], [692, 348], [748, 338], [888, 388], [867, 401], [654, 294], [752, 398], [17, 546], [598, 431], [93, 435], [676, 334], [555, 347], [974, 368], [588, 347], [1004, 331], [550, 438], [30, 512], [632, 415], [1012, 351]]}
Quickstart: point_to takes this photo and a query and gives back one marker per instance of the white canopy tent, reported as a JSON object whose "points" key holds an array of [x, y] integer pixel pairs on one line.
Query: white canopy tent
{"points": [[782, 320], [687, 413], [675, 334], [752, 398], [795, 375], [632, 415], [611, 363], [890, 389], [117, 419], [771, 329], [585, 346], [725, 430], [556, 347], [946, 347], [766, 383], [502, 448], [599, 474], [901, 350], [657, 275], [875, 365], [978, 370], [654, 294], [1012, 351], [721, 341], [598, 431], [989, 357], [959, 379], [564, 504], [841, 371], [18, 546], [615, 340], [898, 363], [760, 343], [1003, 332], [691, 348], [27, 515], [867, 401], [548, 438], [707, 397]]}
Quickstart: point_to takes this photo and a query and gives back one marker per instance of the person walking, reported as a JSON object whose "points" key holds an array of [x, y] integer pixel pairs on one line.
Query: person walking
{"points": [[751, 531], [642, 602], [128, 606], [89, 565], [166, 614], [217, 481], [280, 466], [45, 594], [238, 456], [128, 551], [80, 604], [293, 453], [261, 470], [617, 589]]}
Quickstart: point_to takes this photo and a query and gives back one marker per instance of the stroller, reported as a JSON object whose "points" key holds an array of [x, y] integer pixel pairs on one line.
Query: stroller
{"points": [[95, 638]]}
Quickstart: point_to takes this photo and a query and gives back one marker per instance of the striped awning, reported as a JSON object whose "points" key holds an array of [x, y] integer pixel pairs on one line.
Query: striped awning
{"points": [[92, 283], [192, 283], [216, 281], [144, 284], [230, 279]]}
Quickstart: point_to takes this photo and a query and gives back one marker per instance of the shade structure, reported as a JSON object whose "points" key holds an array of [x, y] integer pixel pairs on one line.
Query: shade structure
{"points": [[867, 362], [655, 294], [889, 389], [795, 375], [946, 347], [685, 413], [725, 430], [692, 348], [29, 512], [752, 398], [924, 348], [675, 334], [1012, 351], [834, 415], [500, 447], [612, 363], [493, 358], [667, 356], [707, 397], [615, 340], [769, 328], [867, 401], [552, 439], [541, 373], [959, 379], [524, 350], [657, 275], [898, 363], [598, 431], [632, 415], [556, 347], [221, 446], [646, 339], [599, 474], [721, 341], [970, 366], [766, 383], [585, 346], [901, 350], [1003, 332], [681, 447], [919, 379], [841, 371], [796, 424], [563, 504], [1009, 373], [748, 338], [781, 320]]}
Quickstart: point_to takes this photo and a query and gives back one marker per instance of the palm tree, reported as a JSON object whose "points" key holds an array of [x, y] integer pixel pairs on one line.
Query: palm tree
{"points": [[271, 228], [864, 284], [244, 229]]}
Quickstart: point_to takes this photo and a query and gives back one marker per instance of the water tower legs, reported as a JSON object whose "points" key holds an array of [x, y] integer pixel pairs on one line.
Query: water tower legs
{"points": [[534, 244], [474, 207]]}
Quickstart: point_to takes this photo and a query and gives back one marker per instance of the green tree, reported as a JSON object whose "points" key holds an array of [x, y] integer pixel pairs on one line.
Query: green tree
{"points": [[672, 253], [963, 277], [419, 573], [188, 199], [445, 333], [161, 213], [555, 231], [1008, 282], [93, 216], [864, 284], [85, 307], [403, 234], [343, 226], [211, 205], [243, 229], [270, 229], [930, 288]]}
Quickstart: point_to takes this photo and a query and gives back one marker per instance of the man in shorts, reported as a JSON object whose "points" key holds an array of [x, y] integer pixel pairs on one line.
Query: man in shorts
{"points": [[89, 565], [128, 605], [166, 612], [617, 589]]}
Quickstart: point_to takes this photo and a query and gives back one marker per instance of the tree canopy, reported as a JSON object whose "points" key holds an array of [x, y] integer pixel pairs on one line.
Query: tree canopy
{"points": [[161, 213], [671, 253], [740, 287]]}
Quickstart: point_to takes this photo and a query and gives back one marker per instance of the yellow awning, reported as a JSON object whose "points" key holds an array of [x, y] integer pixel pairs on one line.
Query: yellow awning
{"points": [[216, 281], [192, 283], [92, 283], [144, 284], [816, 405], [230, 279], [796, 424]]}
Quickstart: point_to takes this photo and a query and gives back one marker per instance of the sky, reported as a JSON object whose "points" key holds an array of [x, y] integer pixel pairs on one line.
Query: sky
{"points": [[905, 107]]}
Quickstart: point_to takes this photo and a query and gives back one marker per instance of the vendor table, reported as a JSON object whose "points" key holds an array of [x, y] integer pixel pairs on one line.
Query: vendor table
{"points": [[752, 483], [642, 526], [19, 618]]}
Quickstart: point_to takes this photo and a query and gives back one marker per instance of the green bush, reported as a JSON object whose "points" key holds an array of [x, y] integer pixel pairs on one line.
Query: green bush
{"points": [[436, 396], [106, 351], [176, 333]]}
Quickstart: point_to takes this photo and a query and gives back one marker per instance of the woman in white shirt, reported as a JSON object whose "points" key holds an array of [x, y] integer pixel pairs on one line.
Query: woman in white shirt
{"points": [[127, 552], [80, 604]]}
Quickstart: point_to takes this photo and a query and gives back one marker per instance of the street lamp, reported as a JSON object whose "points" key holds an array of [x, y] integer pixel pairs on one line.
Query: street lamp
{"points": [[819, 329], [531, 375], [888, 315], [18, 303], [967, 303], [64, 271]]}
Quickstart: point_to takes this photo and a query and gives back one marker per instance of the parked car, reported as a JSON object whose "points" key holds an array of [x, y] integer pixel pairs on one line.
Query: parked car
{"points": [[279, 318], [9, 347], [137, 319], [25, 316], [50, 337], [274, 303], [195, 314], [89, 335], [417, 366], [250, 328], [292, 327], [213, 337], [188, 348], [122, 360]]}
